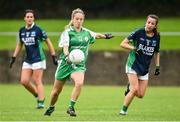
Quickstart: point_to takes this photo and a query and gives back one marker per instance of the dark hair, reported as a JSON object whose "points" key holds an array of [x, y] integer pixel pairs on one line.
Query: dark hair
{"points": [[28, 11], [157, 20]]}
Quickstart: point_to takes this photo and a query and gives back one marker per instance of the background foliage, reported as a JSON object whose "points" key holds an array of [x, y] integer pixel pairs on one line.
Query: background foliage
{"points": [[94, 9]]}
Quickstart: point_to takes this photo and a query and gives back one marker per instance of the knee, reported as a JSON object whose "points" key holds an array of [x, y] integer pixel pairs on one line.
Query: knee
{"points": [[24, 82], [134, 90], [140, 95], [79, 84], [137, 93], [55, 93], [37, 82]]}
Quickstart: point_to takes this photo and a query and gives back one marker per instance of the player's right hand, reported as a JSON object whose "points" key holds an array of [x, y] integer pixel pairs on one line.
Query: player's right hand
{"points": [[54, 58], [67, 60], [12, 60], [138, 51]]}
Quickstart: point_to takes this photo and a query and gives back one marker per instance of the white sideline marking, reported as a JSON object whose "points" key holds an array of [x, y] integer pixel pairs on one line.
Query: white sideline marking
{"points": [[114, 33]]}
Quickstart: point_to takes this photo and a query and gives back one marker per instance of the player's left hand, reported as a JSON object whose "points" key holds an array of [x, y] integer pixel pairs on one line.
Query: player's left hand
{"points": [[54, 58], [108, 36], [157, 70], [12, 61]]}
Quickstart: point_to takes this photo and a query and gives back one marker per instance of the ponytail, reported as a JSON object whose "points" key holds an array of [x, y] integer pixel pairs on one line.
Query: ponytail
{"points": [[68, 25], [75, 11]]}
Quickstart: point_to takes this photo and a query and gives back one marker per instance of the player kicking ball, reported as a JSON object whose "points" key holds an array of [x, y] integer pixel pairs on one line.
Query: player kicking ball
{"points": [[74, 37]]}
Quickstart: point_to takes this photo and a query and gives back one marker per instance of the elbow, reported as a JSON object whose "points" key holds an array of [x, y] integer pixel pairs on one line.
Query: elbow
{"points": [[97, 37], [121, 45], [124, 43]]}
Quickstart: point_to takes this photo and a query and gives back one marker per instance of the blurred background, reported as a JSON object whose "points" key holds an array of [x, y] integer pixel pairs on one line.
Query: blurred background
{"points": [[105, 78], [106, 64], [11, 9]]}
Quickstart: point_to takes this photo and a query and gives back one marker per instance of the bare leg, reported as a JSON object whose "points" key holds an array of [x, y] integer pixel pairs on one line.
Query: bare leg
{"points": [[78, 78], [57, 88], [142, 88], [133, 80], [25, 81], [37, 78], [134, 86]]}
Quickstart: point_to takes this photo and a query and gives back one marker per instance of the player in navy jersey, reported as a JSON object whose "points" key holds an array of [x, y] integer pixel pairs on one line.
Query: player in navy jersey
{"points": [[32, 36], [144, 43]]}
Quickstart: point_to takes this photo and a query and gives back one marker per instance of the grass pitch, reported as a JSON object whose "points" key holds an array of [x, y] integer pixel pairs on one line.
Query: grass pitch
{"points": [[96, 103], [97, 25]]}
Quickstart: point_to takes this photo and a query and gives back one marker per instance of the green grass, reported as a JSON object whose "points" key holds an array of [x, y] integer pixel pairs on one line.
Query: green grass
{"points": [[99, 25], [96, 103]]}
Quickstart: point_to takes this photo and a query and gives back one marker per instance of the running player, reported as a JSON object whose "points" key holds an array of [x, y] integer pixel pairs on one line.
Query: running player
{"points": [[32, 36], [74, 37], [143, 44]]}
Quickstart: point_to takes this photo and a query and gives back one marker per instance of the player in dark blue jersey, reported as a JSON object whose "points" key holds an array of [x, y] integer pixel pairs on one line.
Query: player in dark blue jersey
{"points": [[143, 45], [31, 36]]}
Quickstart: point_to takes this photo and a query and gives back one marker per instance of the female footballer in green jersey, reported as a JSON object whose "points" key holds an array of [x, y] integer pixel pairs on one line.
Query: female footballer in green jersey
{"points": [[32, 37], [144, 43], [74, 37]]}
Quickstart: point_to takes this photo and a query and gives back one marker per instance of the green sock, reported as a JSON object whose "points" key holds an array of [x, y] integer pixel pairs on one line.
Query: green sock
{"points": [[72, 103], [125, 108], [41, 101], [36, 95], [51, 106]]}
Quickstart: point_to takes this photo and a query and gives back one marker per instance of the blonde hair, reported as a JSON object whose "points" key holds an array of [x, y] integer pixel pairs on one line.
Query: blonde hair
{"points": [[75, 11]]}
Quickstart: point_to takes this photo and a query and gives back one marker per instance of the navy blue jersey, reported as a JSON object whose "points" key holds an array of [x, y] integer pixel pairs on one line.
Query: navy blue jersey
{"points": [[148, 45], [32, 39]]}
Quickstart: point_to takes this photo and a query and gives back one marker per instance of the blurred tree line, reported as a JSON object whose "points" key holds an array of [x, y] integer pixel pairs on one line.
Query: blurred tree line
{"points": [[14, 9]]}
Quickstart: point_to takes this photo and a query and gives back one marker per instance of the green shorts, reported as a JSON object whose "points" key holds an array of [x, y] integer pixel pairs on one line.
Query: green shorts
{"points": [[64, 70]]}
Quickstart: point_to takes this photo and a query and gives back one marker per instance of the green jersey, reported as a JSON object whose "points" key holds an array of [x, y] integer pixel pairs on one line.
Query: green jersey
{"points": [[75, 40]]}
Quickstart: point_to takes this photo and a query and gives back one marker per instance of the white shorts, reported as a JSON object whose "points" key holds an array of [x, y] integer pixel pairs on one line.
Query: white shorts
{"points": [[34, 66], [131, 71]]}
